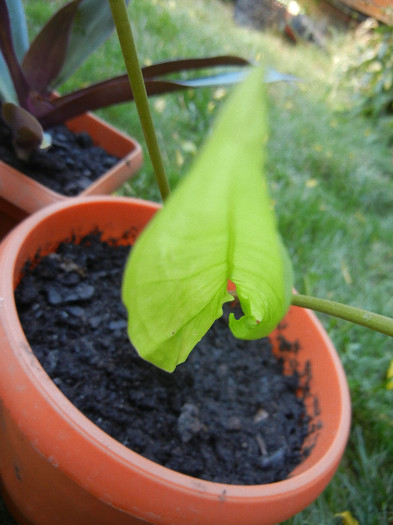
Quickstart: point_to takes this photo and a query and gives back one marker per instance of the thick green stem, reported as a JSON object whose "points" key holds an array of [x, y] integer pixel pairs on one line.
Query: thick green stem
{"points": [[127, 44], [376, 322]]}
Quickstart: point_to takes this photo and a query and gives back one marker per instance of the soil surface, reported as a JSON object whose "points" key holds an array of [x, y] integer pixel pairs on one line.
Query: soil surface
{"points": [[228, 414], [69, 166]]}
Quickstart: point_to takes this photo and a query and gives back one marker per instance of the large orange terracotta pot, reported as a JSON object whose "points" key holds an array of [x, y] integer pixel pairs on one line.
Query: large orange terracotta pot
{"points": [[57, 467], [22, 195]]}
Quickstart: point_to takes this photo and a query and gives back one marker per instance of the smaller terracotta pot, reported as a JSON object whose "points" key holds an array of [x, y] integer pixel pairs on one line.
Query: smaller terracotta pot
{"points": [[57, 467], [27, 195]]}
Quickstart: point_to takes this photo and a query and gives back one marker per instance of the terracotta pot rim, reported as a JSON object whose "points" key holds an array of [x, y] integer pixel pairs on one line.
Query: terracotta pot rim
{"points": [[119, 452]]}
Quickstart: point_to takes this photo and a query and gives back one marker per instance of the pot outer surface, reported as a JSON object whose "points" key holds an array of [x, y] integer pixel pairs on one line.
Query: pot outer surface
{"points": [[69, 166], [228, 414]]}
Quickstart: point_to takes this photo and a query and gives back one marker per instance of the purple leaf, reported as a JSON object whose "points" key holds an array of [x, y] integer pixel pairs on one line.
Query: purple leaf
{"points": [[26, 130], [45, 57], [186, 64], [114, 91], [117, 90]]}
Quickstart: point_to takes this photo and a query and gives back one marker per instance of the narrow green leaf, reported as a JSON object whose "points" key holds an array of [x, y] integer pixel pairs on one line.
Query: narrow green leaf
{"points": [[20, 35], [7, 90], [20, 42], [217, 225], [13, 85], [221, 79]]}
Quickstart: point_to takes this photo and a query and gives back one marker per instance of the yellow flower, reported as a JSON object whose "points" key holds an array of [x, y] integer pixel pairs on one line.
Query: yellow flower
{"points": [[210, 106], [179, 158], [160, 104], [346, 274], [311, 183], [219, 93], [347, 518], [389, 376]]}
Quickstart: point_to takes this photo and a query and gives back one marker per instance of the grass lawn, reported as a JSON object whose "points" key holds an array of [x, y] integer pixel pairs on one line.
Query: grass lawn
{"points": [[331, 182]]}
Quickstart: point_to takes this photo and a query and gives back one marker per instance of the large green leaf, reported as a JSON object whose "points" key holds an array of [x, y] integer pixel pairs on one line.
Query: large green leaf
{"points": [[217, 225]]}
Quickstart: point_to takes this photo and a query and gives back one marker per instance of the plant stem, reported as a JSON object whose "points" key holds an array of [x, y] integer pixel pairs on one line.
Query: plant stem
{"points": [[127, 44], [376, 322]]}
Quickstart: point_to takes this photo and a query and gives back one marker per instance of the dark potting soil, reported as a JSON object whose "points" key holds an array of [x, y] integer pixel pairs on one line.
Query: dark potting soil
{"points": [[228, 414], [70, 165]]}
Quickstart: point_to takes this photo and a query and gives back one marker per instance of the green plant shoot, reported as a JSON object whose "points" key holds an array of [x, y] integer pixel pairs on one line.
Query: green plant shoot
{"points": [[217, 226]]}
